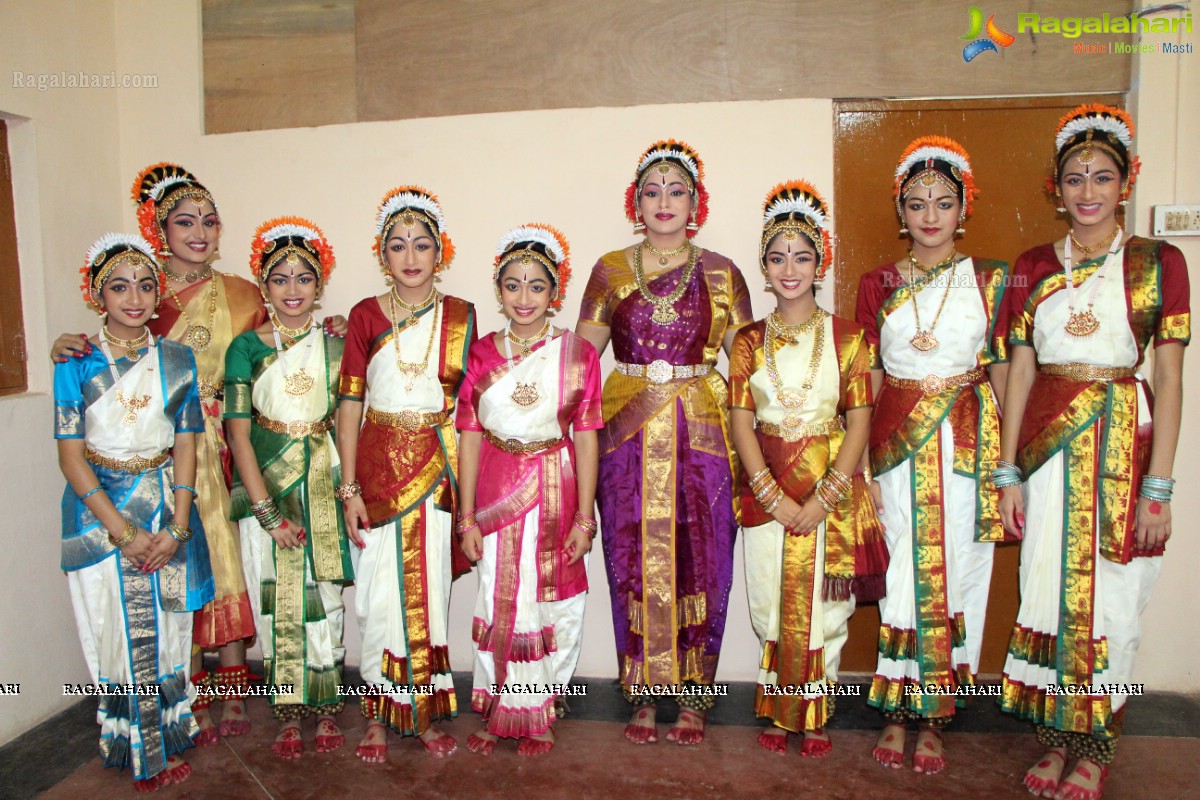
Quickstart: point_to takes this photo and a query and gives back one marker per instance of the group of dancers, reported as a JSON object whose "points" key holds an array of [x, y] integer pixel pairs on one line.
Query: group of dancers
{"points": [[232, 466]]}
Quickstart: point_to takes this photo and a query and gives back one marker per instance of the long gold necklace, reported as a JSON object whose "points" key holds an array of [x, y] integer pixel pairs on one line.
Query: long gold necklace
{"points": [[298, 383], [923, 340], [198, 337], [525, 394], [131, 345], [411, 370], [414, 308], [664, 307], [131, 404], [664, 256], [793, 401], [1085, 323]]}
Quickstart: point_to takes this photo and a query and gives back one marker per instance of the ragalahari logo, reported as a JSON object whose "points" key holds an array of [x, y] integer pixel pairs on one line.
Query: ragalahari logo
{"points": [[994, 37]]}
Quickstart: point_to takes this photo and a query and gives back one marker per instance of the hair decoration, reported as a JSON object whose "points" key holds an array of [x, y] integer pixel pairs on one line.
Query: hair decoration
{"points": [[541, 243], [936, 158], [106, 254], [1096, 126], [666, 153], [798, 207], [156, 190], [280, 237], [1096, 116], [424, 206]]}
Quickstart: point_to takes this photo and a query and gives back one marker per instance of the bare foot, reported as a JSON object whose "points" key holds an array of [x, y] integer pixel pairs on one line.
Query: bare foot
{"points": [[816, 744], [688, 729], [208, 729], [481, 742], [642, 728], [1042, 778], [288, 744], [436, 743], [329, 735], [234, 721], [537, 745], [889, 749], [774, 739], [1086, 781], [373, 747], [930, 756]]}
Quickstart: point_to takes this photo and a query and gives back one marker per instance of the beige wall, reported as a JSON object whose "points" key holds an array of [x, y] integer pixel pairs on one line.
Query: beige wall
{"points": [[568, 168]]}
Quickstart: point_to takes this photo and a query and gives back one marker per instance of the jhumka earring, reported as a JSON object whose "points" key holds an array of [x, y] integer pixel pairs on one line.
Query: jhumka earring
{"points": [[691, 225], [639, 225], [904, 230]]}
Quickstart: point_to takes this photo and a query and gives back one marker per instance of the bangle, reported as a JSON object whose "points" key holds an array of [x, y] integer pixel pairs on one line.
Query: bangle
{"points": [[345, 491], [177, 486], [827, 494], [1157, 488], [465, 523], [267, 514], [83, 497], [586, 524], [178, 532], [1006, 474], [129, 534]]}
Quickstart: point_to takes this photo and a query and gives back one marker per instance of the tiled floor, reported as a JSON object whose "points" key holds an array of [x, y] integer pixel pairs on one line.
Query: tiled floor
{"points": [[593, 761]]}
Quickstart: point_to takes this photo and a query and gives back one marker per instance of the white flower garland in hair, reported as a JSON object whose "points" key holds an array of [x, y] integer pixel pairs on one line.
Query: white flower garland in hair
{"points": [[528, 234], [940, 153], [111, 240], [655, 155], [409, 200], [797, 205], [160, 188], [290, 229], [1107, 124]]}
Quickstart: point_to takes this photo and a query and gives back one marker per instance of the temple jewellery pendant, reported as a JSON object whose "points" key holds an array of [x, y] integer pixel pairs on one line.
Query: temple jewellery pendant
{"points": [[132, 406], [791, 401], [198, 337], [298, 383], [1082, 323], [924, 341], [526, 394], [664, 314]]}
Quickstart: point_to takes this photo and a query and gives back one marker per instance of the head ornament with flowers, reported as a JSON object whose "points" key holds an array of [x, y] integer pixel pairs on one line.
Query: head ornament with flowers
{"points": [[1092, 128], [795, 209], [539, 243], [294, 241], [661, 158], [156, 190], [109, 252], [932, 160], [406, 206]]}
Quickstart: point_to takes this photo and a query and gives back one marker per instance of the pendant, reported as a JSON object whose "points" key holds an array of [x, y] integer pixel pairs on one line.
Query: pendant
{"points": [[411, 371], [789, 399], [664, 314], [663, 261], [133, 355], [298, 383], [1082, 323], [197, 337], [132, 406], [411, 322], [793, 421], [924, 341], [526, 394]]}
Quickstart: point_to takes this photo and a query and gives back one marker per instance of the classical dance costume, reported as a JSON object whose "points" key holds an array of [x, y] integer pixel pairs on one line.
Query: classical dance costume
{"points": [[290, 394], [407, 456], [803, 588], [128, 413], [1085, 448], [528, 623]]}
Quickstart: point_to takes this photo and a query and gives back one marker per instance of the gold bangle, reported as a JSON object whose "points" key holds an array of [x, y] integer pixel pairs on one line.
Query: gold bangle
{"points": [[127, 536]]}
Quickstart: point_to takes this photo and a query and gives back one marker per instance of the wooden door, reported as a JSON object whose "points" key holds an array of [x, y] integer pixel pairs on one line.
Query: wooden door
{"points": [[1011, 144], [12, 326]]}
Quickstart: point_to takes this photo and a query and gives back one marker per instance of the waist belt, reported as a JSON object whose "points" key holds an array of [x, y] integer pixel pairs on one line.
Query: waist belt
{"points": [[936, 384], [408, 419], [133, 465], [1086, 372], [518, 448], [661, 371], [296, 428], [792, 433]]}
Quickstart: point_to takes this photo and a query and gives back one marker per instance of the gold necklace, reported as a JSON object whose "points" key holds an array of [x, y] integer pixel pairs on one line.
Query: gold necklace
{"points": [[411, 370], [132, 405], [413, 308], [291, 333], [298, 383], [198, 337], [188, 277], [1087, 251], [131, 345], [664, 307], [923, 340], [664, 256], [1085, 323], [526, 344], [793, 401]]}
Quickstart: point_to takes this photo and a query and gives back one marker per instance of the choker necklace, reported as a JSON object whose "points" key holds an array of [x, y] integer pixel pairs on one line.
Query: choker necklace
{"points": [[1085, 323], [188, 277], [291, 333], [413, 308], [664, 256], [526, 394], [1087, 251], [664, 307], [131, 345], [924, 341]]}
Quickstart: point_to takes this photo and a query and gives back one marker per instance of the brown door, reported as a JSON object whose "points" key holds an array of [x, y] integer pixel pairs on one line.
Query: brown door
{"points": [[12, 327], [1011, 144]]}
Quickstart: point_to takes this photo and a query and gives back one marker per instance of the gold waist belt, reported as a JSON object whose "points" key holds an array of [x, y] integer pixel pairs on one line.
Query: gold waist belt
{"points": [[408, 419], [295, 429], [133, 465], [936, 384], [792, 433], [661, 371], [516, 447], [208, 390], [1086, 372]]}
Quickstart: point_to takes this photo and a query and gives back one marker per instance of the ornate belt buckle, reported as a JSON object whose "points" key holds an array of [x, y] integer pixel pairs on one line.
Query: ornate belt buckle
{"points": [[1079, 372], [297, 428], [409, 419], [934, 384], [659, 371]]}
